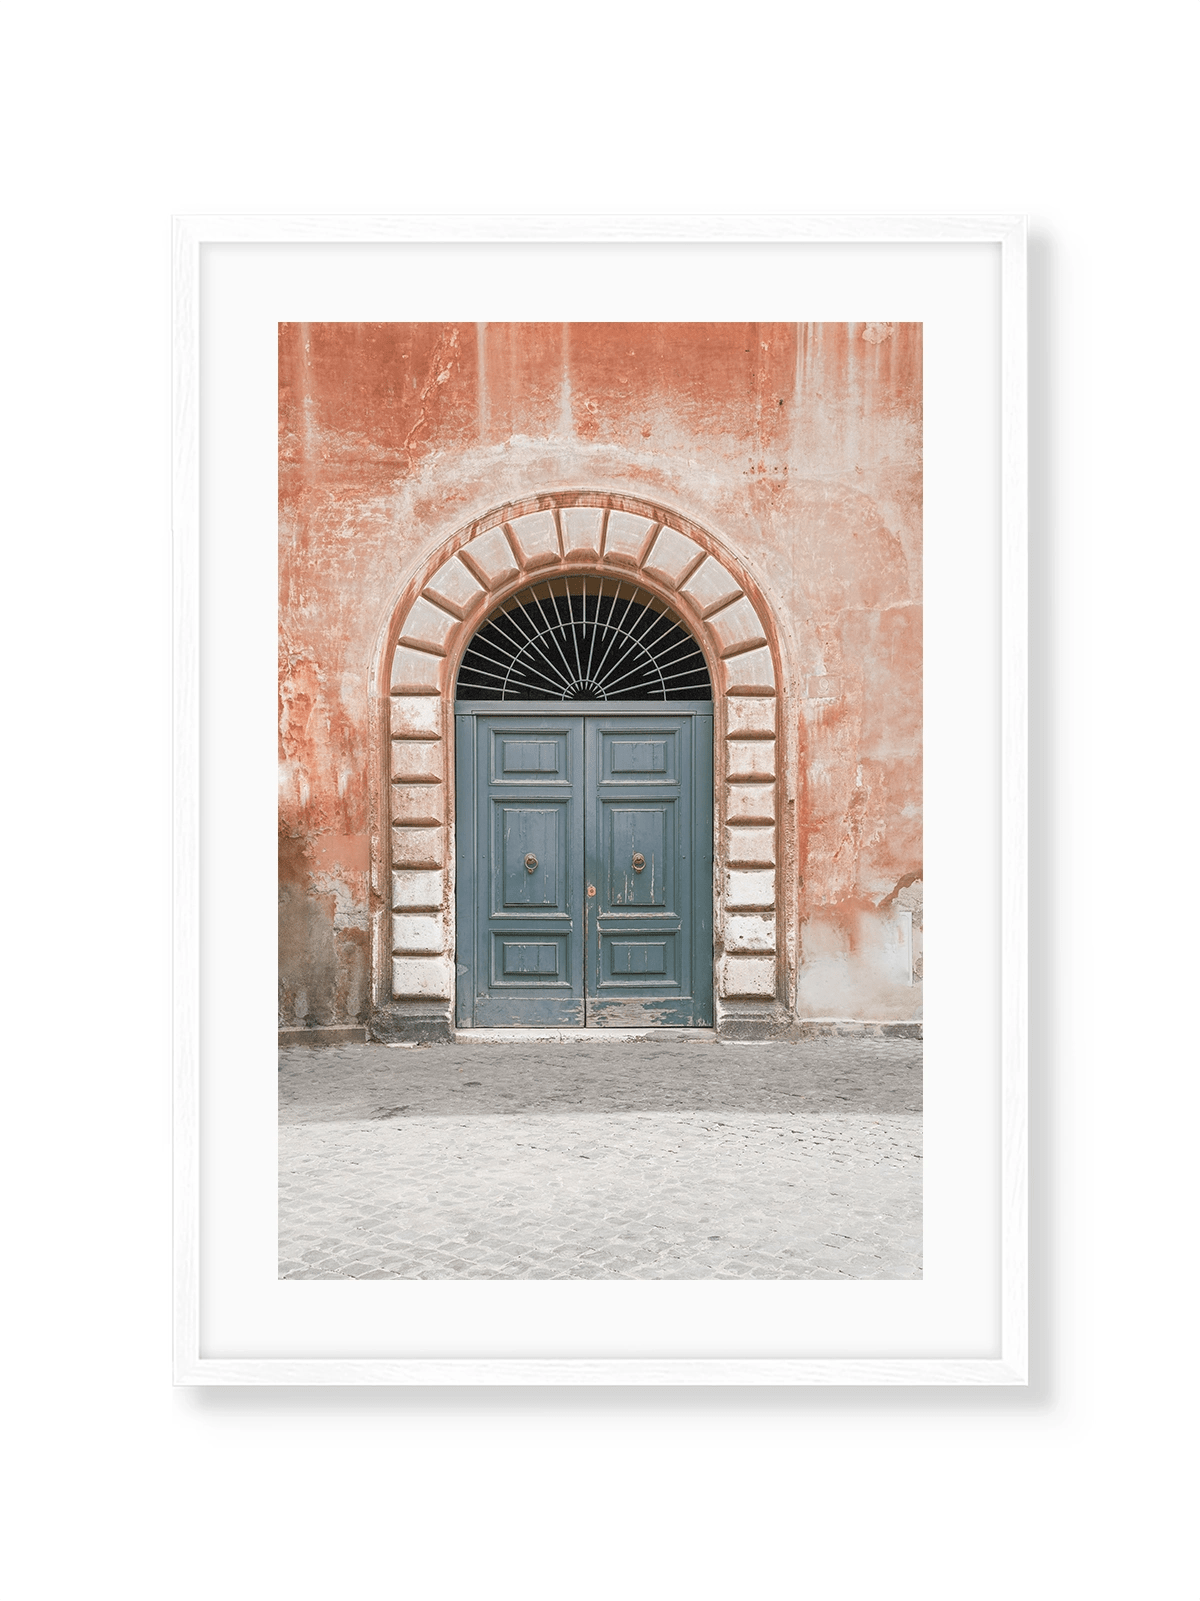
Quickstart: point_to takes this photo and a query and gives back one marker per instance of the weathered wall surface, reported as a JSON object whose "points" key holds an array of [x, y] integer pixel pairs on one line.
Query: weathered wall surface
{"points": [[796, 447]]}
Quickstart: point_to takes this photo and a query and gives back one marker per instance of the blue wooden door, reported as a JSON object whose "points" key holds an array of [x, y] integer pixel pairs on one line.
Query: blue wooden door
{"points": [[520, 889], [648, 823], [584, 869]]}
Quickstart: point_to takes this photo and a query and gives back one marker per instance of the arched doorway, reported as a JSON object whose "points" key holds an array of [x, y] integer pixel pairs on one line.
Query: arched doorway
{"points": [[583, 801], [607, 550]]}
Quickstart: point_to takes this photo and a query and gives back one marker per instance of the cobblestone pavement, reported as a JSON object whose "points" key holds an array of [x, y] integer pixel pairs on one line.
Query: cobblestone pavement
{"points": [[630, 1160]]}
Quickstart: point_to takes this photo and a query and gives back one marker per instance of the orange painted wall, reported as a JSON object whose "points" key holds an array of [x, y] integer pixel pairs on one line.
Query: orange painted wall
{"points": [[798, 446]]}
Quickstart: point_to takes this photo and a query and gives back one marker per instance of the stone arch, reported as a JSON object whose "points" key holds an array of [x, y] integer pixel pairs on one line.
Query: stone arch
{"points": [[559, 535]]}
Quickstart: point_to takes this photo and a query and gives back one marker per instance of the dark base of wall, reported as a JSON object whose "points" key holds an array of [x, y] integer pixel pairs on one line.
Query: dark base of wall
{"points": [[402, 1025], [755, 1028], [838, 1028], [393, 1026], [334, 1034], [777, 1026]]}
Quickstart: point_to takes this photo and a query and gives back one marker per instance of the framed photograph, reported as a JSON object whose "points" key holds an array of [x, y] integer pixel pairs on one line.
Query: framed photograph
{"points": [[600, 727]]}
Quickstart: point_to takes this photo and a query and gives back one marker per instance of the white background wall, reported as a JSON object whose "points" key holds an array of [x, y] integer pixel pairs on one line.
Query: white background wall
{"points": [[117, 116]]}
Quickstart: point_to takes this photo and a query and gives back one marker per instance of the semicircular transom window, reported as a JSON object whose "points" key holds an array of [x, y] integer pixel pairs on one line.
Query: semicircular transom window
{"points": [[583, 638]]}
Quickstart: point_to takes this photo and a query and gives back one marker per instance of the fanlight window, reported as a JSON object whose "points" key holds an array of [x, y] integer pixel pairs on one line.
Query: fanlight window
{"points": [[583, 638]]}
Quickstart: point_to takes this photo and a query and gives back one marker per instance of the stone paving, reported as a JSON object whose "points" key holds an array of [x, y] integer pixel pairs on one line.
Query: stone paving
{"points": [[671, 1159]]}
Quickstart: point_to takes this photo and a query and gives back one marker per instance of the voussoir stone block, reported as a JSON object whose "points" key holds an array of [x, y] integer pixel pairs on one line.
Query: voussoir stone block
{"points": [[750, 717], [750, 803], [419, 805], [416, 672], [417, 716], [581, 529], [711, 586], [421, 978], [418, 761], [751, 673], [747, 977], [428, 627], [453, 588], [737, 627], [748, 890], [626, 537], [749, 934], [750, 847], [750, 759], [491, 556], [417, 891], [672, 556], [418, 933], [418, 847], [536, 539]]}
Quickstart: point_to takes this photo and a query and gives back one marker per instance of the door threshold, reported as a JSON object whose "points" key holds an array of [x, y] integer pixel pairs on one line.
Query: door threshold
{"points": [[568, 1036]]}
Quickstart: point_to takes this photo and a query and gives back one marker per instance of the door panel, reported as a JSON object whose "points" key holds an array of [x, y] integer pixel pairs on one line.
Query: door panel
{"points": [[636, 862], [540, 756], [526, 958], [640, 756], [652, 758], [531, 849], [531, 968], [648, 823], [637, 957], [520, 843], [641, 961], [549, 805]]}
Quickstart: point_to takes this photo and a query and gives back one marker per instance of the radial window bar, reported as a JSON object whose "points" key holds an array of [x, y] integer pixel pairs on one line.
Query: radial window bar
{"points": [[583, 638]]}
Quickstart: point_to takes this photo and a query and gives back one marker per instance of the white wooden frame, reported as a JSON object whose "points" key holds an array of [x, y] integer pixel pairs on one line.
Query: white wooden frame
{"points": [[1010, 1367]]}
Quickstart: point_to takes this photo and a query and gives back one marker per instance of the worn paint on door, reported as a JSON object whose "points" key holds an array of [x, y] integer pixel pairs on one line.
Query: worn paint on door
{"points": [[648, 829], [584, 869]]}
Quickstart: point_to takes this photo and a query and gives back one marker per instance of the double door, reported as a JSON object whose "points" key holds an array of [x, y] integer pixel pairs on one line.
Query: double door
{"points": [[584, 868]]}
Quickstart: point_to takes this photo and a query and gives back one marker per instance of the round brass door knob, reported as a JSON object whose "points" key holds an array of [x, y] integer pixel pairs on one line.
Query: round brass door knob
{"points": [[530, 864], [639, 861]]}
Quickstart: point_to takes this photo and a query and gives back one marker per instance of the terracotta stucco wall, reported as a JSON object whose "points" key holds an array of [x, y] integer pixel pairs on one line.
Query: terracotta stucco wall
{"points": [[796, 446]]}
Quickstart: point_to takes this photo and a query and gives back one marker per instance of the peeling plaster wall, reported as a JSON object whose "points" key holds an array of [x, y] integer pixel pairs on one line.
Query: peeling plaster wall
{"points": [[797, 447]]}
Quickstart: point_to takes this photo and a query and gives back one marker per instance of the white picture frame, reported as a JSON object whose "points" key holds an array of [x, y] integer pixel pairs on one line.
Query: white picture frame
{"points": [[205, 1359]]}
